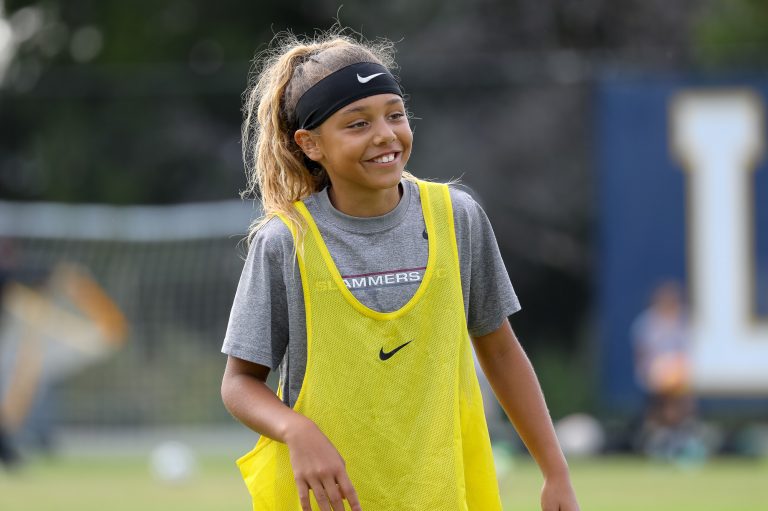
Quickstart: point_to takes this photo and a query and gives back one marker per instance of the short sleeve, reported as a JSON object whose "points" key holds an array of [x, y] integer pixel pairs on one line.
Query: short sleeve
{"points": [[258, 322], [488, 291]]}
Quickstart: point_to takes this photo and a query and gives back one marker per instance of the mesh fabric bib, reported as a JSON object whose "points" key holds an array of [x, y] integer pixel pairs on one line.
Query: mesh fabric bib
{"points": [[396, 393]]}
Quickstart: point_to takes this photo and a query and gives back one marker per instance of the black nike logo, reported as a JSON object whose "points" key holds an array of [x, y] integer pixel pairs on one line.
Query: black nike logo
{"points": [[388, 355]]}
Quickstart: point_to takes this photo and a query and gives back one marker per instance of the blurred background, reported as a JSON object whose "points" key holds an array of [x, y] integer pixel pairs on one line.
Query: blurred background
{"points": [[617, 147]]}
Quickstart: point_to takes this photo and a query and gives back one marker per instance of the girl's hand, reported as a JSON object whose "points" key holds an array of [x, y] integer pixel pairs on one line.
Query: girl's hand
{"points": [[319, 467], [558, 495]]}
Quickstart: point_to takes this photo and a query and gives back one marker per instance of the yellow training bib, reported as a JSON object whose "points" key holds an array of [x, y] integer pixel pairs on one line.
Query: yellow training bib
{"points": [[395, 392]]}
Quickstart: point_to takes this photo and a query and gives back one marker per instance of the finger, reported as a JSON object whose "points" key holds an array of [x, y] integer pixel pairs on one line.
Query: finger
{"points": [[349, 493], [320, 495], [334, 495], [303, 489]]}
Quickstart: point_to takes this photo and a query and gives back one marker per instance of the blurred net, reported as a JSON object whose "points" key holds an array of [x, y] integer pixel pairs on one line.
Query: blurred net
{"points": [[169, 273]]}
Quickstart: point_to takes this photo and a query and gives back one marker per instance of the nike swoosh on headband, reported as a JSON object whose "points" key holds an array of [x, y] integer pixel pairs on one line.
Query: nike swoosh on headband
{"points": [[366, 79]]}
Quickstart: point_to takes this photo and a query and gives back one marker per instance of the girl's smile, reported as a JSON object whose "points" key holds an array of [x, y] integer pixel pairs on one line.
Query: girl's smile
{"points": [[388, 158]]}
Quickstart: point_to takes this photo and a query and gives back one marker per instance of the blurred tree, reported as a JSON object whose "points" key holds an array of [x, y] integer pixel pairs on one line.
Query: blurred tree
{"points": [[733, 35], [126, 102]]}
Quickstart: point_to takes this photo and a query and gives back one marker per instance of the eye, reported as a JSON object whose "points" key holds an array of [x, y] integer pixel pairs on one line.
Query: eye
{"points": [[396, 116], [358, 124]]}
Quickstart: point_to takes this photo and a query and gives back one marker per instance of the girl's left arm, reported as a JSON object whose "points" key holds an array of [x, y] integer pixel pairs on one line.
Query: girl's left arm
{"points": [[514, 382]]}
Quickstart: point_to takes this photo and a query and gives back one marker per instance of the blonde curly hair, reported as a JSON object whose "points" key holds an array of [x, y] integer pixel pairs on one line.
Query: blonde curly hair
{"points": [[277, 170]]}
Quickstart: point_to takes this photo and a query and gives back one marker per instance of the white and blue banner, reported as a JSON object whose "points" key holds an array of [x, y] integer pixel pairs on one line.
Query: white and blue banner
{"points": [[683, 196]]}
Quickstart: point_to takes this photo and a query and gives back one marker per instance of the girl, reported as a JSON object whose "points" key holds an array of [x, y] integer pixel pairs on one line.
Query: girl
{"points": [[364, 285]]}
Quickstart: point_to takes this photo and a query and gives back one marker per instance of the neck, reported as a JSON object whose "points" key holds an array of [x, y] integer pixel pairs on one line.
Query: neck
{"points": [[365, 204]]}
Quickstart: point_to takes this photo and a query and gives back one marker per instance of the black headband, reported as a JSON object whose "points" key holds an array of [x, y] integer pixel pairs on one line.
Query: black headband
{"points": [[340, 88]]}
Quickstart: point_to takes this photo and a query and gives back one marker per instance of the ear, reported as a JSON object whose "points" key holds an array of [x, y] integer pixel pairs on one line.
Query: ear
{"points": [[308, 143]]}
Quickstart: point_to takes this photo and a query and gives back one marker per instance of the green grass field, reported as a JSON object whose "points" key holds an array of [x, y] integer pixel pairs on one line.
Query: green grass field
{"points": [[612, 484]]}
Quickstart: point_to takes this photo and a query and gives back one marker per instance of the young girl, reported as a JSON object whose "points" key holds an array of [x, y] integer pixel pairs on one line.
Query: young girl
{"points": [[364, 285]]}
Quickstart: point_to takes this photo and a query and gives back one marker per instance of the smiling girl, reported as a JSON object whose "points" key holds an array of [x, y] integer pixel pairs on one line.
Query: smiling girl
{"points": [[368, 288]]}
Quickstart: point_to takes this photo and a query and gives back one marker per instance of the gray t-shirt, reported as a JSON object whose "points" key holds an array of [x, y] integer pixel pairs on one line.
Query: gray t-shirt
{"points": [[382, 261]]}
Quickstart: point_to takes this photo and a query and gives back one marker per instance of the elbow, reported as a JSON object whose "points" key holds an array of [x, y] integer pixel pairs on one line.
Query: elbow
{"points": [[240, 384], [227, 392]]}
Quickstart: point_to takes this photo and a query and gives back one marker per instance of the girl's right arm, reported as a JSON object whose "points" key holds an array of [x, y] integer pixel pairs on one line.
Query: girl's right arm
{"points": [[316, 463]]}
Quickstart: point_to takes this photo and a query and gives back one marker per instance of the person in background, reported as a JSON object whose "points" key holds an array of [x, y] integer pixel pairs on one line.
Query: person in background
{"points": [[661, 343], [9, 456]]}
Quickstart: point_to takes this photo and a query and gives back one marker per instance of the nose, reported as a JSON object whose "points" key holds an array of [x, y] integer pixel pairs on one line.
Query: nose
{"points": [[384, 133]]}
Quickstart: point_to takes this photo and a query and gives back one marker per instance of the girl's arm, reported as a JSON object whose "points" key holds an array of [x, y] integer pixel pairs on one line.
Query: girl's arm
{"points": [[514, 382], [316, 463]]}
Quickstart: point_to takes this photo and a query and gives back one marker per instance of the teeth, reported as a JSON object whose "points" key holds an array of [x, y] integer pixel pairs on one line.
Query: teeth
{"points": [[385, 158]]}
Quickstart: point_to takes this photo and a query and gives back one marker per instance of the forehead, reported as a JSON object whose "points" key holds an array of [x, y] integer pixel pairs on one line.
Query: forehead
{"points": [[374, 102]]}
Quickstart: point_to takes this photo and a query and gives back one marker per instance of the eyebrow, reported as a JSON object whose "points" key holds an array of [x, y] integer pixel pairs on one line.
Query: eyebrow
{"points": [[361, 108]]}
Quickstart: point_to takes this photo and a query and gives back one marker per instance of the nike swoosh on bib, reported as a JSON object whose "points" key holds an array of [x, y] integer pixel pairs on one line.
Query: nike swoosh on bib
{"points": [[388, 355], [366, 79]]}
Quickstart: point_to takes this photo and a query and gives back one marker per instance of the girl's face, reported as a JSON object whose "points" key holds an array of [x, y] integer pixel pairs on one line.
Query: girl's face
{"points": [[364, 146]]}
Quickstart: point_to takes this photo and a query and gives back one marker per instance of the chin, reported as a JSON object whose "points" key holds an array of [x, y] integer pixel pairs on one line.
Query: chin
{"points": [[391, 180], [397, 175], [383, 178]]}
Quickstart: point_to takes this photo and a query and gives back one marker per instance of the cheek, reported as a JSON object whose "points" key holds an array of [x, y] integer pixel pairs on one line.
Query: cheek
{"points": [[406, 137]]}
